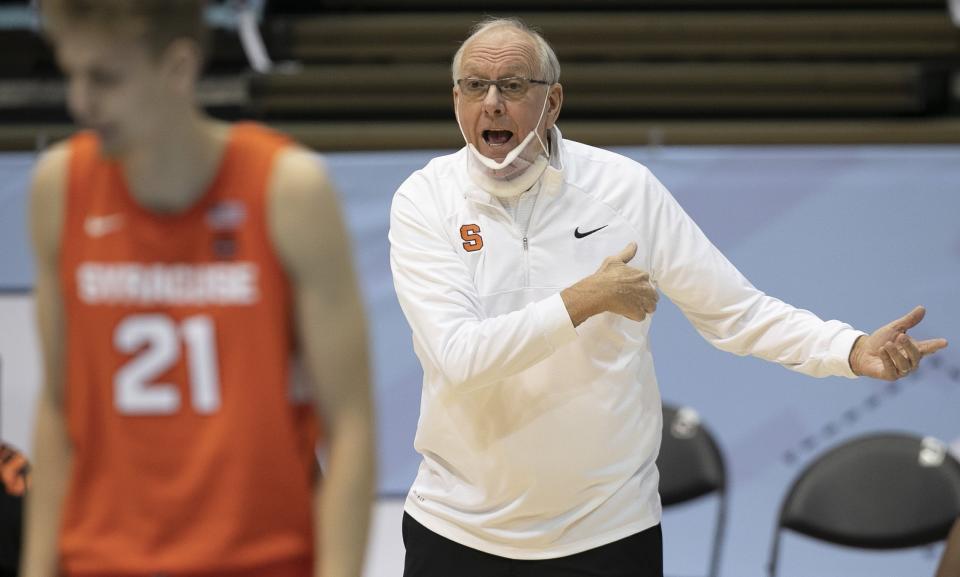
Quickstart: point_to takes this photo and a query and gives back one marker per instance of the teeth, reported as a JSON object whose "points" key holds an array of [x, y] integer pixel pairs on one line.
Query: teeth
{"points": [[503, 136]]}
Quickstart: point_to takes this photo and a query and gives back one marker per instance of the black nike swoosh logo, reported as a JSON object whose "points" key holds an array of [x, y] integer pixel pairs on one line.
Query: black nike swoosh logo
{"points": [[578, 234]]}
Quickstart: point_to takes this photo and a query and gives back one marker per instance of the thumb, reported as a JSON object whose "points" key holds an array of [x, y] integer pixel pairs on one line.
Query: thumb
{"points": [[910, 320], [627, 254]]}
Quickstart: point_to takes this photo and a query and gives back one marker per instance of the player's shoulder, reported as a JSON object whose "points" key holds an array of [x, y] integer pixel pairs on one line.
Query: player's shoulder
{"points": [[300, 194], [49, 185], [304, 218], [298, 172], [50, 171], [48, 199]]}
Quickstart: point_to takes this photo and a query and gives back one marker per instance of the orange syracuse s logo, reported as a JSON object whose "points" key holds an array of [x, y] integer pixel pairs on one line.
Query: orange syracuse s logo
{"points": [[472, 241]]}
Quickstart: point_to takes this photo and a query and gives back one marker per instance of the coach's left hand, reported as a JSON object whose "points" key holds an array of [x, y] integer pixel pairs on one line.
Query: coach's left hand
{"points": [[889, 353]]}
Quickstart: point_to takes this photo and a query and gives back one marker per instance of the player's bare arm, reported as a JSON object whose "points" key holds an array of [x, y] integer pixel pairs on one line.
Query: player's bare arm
{"points": [[308, 231], [51, 448], [950, 560]]}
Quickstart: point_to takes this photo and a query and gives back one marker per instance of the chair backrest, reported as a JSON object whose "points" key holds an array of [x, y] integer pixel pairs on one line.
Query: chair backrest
{"points": [[690, 461], [880, 491], [691, 465]]}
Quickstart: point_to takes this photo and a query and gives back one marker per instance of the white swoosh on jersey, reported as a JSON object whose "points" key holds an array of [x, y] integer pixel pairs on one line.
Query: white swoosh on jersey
{"points": [[97, 226]]}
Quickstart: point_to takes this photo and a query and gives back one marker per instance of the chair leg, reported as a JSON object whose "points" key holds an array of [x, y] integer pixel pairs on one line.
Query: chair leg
{"points": [[718, 535], [774, 553]]}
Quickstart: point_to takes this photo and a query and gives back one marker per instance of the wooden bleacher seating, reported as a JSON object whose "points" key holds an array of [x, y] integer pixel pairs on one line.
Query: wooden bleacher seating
{"points": [[375, 73]]}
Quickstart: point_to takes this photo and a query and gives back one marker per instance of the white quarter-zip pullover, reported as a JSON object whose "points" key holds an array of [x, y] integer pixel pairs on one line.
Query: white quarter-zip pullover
{"points": [[539, 440]]}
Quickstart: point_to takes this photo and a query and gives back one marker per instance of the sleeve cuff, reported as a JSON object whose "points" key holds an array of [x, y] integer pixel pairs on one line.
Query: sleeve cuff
{"points": [[555, 321], [839, 354]]}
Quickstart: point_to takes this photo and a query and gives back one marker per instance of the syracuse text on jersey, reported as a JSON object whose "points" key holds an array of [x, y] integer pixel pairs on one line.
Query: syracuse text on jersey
{"points": [[129, 283]]}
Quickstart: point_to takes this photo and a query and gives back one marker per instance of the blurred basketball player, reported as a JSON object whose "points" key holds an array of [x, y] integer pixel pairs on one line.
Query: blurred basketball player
{"points": [[182, 265]]}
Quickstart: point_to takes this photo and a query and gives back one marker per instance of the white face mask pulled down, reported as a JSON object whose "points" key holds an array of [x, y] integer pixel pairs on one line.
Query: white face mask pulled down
{"points": [[518, 171]]}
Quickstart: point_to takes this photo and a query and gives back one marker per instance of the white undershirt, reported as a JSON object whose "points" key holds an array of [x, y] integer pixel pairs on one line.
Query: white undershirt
{"points": [[520, 207]]}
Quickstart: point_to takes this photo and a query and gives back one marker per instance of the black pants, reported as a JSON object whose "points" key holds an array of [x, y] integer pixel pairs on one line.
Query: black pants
{"points": [[430, 555], [10, 528]]}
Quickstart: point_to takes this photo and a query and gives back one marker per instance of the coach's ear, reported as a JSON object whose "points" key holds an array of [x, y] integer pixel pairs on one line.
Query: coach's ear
{"points": [[554, 103]]}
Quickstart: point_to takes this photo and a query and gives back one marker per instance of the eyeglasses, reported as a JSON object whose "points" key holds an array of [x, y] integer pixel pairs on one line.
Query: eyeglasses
{"points": [[512, 88]]}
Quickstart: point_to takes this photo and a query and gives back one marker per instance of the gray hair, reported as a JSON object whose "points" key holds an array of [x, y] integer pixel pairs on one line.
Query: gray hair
{"points": [[549, 65]]}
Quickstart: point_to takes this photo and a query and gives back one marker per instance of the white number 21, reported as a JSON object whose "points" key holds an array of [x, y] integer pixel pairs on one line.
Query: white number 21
{"points": [[157, 338]]}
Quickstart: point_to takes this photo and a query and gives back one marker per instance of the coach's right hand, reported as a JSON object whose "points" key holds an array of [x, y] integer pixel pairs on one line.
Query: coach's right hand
{"points": [[615, 288]]}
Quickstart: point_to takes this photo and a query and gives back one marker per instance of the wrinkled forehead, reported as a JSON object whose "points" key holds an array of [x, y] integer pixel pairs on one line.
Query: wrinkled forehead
{"points": [[500, 53]]}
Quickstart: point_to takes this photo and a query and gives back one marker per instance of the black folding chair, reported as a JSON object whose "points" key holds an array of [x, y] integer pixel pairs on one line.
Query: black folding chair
{"points": [[691, 465], [880, 491]]}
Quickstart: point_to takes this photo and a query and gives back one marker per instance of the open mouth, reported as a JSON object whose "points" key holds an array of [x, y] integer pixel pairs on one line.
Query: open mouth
{"points": [[496, 137]]}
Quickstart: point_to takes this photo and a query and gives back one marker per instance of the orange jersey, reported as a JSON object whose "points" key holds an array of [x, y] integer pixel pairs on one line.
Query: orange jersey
{"points": [[190, 451]]}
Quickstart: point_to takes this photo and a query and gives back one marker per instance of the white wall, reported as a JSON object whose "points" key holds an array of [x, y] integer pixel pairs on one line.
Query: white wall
{"points": [[20, 374]]}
